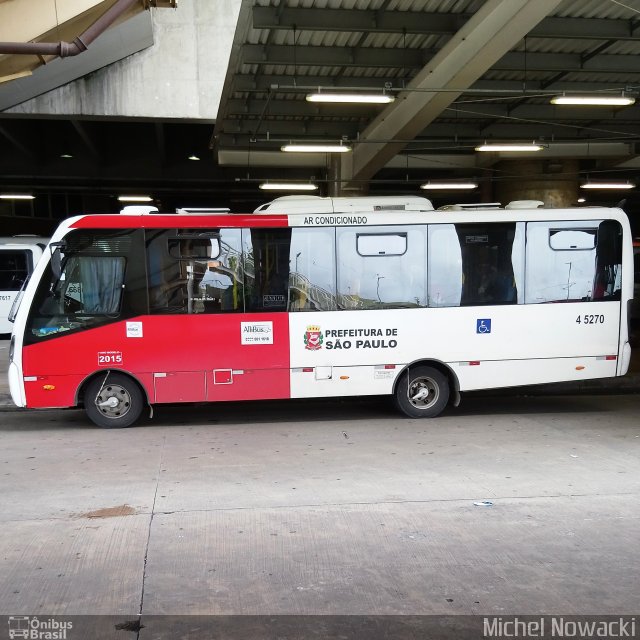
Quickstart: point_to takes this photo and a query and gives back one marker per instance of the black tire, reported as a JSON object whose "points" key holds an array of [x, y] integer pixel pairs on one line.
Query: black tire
{"points": [[422, 392], [127, 394]]}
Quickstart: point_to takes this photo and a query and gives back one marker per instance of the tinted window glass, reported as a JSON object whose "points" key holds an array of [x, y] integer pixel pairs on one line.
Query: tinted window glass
{"points": [[14, 268], [197, 274], [474, 264], [382, 268], [102, 279], [266, 253]]}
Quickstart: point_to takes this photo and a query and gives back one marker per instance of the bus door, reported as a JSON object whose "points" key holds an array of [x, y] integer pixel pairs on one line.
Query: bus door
{"points": [[218, 328], [250, 359]]}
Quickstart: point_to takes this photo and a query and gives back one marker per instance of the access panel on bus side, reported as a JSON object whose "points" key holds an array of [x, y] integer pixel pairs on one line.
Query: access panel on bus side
{"points": [[195, 358]]}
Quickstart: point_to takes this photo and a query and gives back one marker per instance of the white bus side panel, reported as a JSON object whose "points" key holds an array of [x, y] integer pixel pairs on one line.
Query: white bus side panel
{"points": [[514, 344]]}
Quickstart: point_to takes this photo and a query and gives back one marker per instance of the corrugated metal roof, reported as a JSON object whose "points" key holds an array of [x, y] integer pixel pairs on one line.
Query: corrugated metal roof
{"points": [[597, 9], [517, 84]]}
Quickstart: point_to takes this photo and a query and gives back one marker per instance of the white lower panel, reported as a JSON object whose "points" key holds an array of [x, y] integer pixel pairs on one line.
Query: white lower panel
{"points": [[512, 373], [344, 381], [489, 374]]}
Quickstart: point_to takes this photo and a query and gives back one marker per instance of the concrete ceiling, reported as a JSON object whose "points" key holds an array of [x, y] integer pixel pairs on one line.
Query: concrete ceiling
{"points": [[462, 71]]}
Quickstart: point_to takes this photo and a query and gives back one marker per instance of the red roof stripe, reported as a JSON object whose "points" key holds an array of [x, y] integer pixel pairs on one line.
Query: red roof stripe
{"points": [[177, 221]]}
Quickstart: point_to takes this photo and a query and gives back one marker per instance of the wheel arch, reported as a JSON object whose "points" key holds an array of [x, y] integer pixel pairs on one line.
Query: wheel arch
{"points": [[445, 369], [82, 387]]}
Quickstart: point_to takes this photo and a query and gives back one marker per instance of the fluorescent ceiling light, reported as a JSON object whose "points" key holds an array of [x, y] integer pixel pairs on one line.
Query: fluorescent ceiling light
{"points": [[449, 185], [509, 147], [193, 157], [16, 196], [368, 98], [66, 155], [288, 186], [596, 100], [316, 148], [607, 185], [135, 198]]}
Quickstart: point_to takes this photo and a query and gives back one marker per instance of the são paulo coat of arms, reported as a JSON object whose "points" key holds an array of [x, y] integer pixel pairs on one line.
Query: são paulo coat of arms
{"points": [[313, 338]]}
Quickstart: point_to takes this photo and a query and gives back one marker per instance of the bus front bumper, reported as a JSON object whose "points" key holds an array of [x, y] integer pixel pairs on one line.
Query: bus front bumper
{"points": [[16, 386]]}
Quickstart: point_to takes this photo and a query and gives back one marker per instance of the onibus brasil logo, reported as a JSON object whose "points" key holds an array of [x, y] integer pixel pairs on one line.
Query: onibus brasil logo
{"points": [[31, 627], [313, 338]]}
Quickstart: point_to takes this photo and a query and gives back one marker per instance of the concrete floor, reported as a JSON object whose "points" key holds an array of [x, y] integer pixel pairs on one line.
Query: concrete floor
{"points": [[323, 507]]}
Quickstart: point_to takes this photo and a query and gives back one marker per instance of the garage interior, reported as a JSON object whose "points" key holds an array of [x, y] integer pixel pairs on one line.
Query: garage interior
{"points": [[449, 98], [328, 519]]}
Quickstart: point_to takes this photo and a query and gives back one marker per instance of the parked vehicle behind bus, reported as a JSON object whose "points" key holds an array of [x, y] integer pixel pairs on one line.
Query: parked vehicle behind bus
{"points": [[321, 297], [18, 257]]}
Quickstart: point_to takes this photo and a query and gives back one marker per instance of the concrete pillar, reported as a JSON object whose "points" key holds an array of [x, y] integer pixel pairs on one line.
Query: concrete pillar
{"points": [[552, 180]]}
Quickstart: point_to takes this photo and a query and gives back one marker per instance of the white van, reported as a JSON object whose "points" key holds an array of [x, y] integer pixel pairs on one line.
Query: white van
{"points": [[18, 257]]}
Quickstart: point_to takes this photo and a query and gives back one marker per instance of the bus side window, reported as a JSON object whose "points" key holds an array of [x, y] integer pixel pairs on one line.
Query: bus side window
{"points": [[312, 271], [167, 283], [266, 265], [573, 261], [445, 266], [382, 267], [198, 272], [475, 264], [220, 280], [488, 273], [14, 268]]}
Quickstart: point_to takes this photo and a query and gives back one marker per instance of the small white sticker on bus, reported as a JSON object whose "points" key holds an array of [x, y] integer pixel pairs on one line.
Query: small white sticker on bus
{"points": [[134, 329], [256, 332]]}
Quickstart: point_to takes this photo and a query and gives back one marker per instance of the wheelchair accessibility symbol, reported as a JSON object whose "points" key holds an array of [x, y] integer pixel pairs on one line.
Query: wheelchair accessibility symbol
{"points": [[483, 325]]}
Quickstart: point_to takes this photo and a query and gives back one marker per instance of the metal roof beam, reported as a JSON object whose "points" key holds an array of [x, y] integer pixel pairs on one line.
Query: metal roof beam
{"points": [[346, 20], [334, 56], [494, 29], [380, 57], [288, 129], [266, 82]]}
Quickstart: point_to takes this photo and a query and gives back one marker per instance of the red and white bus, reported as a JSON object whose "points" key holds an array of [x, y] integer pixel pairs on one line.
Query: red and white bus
{"points": [[321, 297]]}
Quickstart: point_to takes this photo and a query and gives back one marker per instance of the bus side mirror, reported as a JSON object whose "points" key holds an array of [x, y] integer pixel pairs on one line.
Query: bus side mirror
{"points": [[56, 249]]}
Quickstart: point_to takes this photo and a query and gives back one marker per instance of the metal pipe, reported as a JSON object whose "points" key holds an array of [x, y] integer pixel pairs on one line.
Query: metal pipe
{"points": [[80, 44]]}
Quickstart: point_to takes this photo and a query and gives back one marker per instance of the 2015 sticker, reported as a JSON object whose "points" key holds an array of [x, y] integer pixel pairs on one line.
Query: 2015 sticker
{"points": [[106, 358]]}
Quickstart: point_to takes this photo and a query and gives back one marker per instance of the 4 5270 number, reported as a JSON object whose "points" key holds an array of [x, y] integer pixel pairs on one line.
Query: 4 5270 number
{"points": [[590, 319]]}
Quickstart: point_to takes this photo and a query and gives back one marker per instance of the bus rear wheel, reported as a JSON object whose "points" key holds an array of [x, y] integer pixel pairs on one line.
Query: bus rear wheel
{"points": [[113, 401], [422, 392]]}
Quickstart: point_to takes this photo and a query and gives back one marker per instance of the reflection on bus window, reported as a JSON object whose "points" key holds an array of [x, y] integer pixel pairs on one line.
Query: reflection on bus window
{"points": [[384, 268], [568, 261], [445, 266], [195, 275], [474, 264], [312, 275], [266, 255]]}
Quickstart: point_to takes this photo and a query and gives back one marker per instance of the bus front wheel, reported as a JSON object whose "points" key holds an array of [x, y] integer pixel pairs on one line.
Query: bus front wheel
{"points": [[113, 401], [422, 392]]}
